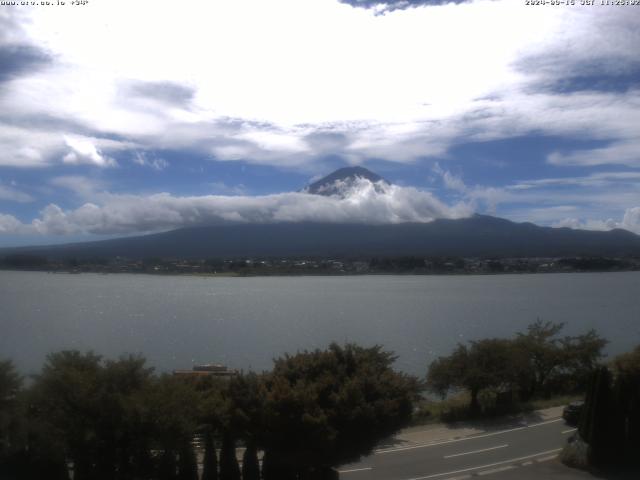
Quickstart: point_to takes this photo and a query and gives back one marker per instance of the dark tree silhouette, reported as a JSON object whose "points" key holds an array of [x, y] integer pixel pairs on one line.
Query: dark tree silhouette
{"points": [[327, 407], [10, 385], [229, 468], [188, 465], [210, 462], [250, 464], [533, 363]]}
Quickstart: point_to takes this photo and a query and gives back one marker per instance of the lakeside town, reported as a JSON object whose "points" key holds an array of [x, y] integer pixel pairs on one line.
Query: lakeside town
{"points": [[414, 265]]}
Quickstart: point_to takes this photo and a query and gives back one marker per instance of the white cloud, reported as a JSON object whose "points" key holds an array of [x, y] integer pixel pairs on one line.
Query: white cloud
{"points": [[22, 147], [621, 153], [598, 179], [479, 197], [222, 188], [588, 224], [11, 194], [10, 224], [364, 203], [83, 150], [630, 221], [46, 144], [143, 160], [80, 185], [450, 181], [254, 80], [265, 82]]}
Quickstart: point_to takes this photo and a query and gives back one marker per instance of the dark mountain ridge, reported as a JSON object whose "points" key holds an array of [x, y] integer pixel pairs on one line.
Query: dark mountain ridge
{"points": [[476, 236]]}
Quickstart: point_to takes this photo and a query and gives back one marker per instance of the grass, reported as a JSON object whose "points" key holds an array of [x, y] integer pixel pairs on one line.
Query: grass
{"points": [[556, 401], [456, 407]]}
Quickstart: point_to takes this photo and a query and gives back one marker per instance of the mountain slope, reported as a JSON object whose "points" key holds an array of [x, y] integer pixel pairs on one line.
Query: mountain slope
{"points": [[479, 235]]}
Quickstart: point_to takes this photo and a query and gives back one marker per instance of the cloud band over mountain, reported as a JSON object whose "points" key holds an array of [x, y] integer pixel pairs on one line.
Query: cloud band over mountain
{"points": [[365, 202]]}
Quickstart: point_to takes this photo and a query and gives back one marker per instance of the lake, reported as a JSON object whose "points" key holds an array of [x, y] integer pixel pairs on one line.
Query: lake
{"points": [[245, 322]]}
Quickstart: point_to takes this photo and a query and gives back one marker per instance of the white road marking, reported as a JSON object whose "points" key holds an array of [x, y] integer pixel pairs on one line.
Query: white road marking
{"points": [[480, 467], [473, 437], [477, 451], [355, 470], [496, 470], [546, 459], [569, 431]]}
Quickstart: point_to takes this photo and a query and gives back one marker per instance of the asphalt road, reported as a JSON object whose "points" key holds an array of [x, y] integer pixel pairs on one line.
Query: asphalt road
{"points": [[482, 454]]}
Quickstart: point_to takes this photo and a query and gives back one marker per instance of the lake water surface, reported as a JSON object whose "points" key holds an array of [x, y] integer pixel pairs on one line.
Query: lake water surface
{"points": [[245, 322]]}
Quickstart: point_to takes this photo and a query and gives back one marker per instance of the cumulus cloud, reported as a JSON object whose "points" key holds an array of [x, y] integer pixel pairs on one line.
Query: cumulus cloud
{"points": [[366, 202], [10, 224], [631, 219]]}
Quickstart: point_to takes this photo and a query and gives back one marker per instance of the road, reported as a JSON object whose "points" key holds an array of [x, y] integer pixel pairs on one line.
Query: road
{"points": [[481, 454]]}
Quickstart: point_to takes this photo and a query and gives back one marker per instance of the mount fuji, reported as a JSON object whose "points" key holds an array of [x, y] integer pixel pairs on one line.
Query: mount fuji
{"points": [[472, 236]]}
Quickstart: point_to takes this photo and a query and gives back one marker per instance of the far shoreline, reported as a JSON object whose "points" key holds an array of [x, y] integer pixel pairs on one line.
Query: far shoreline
{"points": [[314, 275]]}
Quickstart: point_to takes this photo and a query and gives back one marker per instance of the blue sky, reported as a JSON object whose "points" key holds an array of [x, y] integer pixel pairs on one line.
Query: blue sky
{"points": [[120, 118]]}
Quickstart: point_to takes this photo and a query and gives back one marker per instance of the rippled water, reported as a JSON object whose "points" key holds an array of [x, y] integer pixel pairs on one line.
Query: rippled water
{"points": [[245, 322]]}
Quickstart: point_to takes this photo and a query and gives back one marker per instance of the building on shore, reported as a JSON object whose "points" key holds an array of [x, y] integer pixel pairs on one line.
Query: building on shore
{"points": [[206, 370]]}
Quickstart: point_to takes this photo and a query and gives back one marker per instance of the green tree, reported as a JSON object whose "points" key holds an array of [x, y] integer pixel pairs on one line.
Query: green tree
{"points": [[554, 364], [532, 363], [122, 428], [482, 365], [173, 411], [581, 357], [211, 406], [543, 352], [67, 398], [628, 364], [327, 407], [99, 411]]}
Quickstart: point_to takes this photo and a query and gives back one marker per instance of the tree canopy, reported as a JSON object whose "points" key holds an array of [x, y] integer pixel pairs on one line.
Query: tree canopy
{"points": [[534, 362], [327, 407], [117, 419]]}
